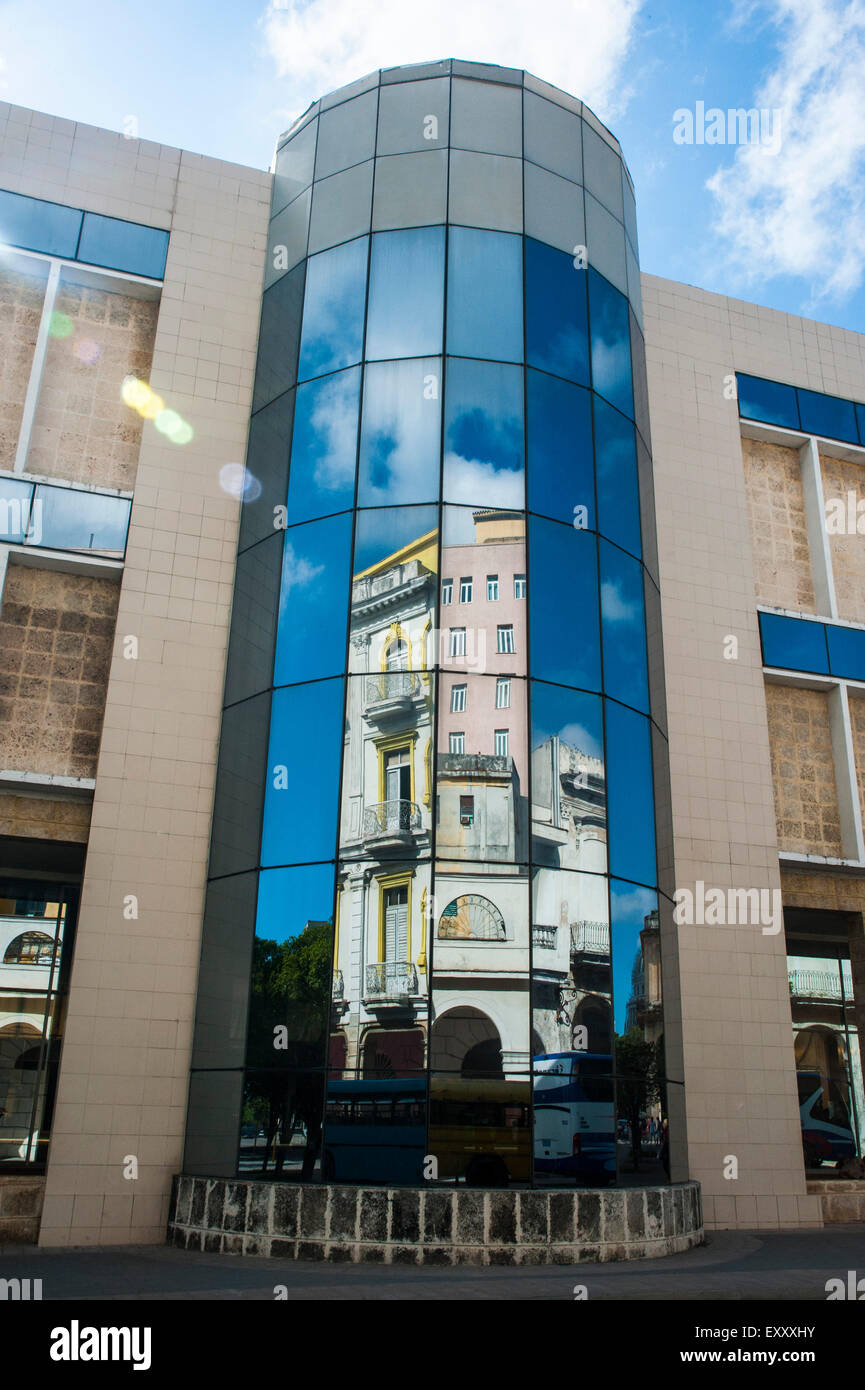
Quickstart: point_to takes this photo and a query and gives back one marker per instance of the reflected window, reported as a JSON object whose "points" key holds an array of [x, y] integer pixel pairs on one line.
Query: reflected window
{"points": [[71, 520], [485, 308], [483, 461], [457, 743], [457, 642], [401, 433], [458, 698], [324, 446], [15, 499], [333, 308], [492, 588], [467, 810], [465, 591], [447, 592], [406, 294], [502, 743], [557, 337], [505, 638], [519, 586], [560, 480], [503, 692], [611, 344]]}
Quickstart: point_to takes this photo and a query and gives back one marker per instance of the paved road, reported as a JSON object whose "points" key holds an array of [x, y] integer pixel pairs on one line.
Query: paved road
{"points": [[733, 1265]]}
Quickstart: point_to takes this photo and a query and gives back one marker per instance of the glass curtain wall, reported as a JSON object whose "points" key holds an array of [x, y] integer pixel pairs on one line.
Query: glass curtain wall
{"points": [[432, 939]]}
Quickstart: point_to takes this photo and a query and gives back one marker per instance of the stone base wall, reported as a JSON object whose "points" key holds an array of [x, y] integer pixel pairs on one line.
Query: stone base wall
{"points": [[433, 1226], [20, 1209], [841, 1201]]}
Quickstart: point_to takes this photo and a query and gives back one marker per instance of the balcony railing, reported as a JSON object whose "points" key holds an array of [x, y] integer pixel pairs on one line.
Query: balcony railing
{"points": [[544, 937], [819, 984], [591, 938], [391, 685], [390, 980], [338, 991], [391, 818]]}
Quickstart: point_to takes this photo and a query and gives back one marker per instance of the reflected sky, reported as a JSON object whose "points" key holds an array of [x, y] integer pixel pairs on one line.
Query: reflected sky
{"points": [[569, 715], [560, 449], [630, 801], [557, 336], [611, 344], [313, 601], [324, 446], [629, 907], [483, 464], [623, 625], [382, 532], [617, 478], [333, 309], [485, 300], [290, 898], [401, 433], [406, 294], [303, 758], [563, 578]]}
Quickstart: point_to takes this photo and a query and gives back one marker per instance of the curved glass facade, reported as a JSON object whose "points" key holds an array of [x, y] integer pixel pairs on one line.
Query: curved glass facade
{"points": [[441, 861]]}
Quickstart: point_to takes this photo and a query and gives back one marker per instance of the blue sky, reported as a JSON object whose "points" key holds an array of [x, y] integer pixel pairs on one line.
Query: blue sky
{"points": [[784, 229]]}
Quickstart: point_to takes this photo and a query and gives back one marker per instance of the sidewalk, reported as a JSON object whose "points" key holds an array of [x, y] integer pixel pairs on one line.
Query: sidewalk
{"points": [[737, 1265]]}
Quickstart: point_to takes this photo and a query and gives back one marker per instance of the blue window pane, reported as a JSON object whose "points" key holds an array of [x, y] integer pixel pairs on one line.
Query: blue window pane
{"points": [[846, 652], [483, 459], [291, 966], [485, 303], [611, 344], [630, 799], [633, 912], [401, 435], [617, 477], [39, 226], [557, 337], [383, 531], [827, 415], [568, 765], [333, 309], [563, 593], [266, 469], [560, 450], [300, 802], [15, 498], [406, 294], [125, 246], [767, 400], [860, 421], [313, 601], [793, 643], [71, 520], [623, 627], [324, 446]]}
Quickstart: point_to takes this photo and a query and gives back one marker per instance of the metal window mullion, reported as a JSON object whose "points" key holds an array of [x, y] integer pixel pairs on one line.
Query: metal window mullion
{"points": [[846, 782], [822, 573], [36, 368]]}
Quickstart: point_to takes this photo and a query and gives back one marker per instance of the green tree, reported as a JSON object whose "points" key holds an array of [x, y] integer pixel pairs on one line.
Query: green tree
{"points": [[638, 1082]]}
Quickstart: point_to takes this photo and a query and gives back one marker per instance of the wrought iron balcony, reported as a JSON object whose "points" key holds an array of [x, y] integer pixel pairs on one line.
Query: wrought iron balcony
{"points": [[389, 818], [392, 685], [391, 980]]}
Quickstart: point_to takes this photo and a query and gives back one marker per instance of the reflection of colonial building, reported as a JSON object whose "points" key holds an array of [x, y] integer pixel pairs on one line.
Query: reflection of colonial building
{"points": [[644, 1005], [380, 982], [29, 962]]}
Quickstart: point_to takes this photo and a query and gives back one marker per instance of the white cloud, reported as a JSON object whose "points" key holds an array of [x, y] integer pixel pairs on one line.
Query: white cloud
{"points": [[478, 483], [578, 45], [799, 212]]}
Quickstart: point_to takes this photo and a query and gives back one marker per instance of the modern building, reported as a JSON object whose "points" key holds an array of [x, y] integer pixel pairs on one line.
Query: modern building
{"points": [[360, 832]]}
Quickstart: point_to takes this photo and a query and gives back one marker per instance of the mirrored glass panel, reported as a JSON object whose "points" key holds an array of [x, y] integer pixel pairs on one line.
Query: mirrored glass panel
{"points": [[482, 619], [300, 806], [253, 620], [569, 796], [827, 415], [486, 116], [483, 450], [481, 770], [72, 520], [617, 478], [346, 134], [122, 245], [392, 547], [293, 167], [793, 643], [324, 446], [557, 337], [310, 636], [560, 476], [240, 780], [39, 226], [291, 980], [631, 797], [376, 1116], [280, 1125], [333, 309], [400, 448], [413, 116], [15, 500], [767, 400], [565, 629], [611, 344], [278, 338], [623, 627], [406, 293], [266, 478], [485, 308], [223, 972], [641, 1088]]}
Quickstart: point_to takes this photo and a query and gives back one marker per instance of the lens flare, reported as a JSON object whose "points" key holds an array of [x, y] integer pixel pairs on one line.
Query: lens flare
{"points": [[138, 396], [173, 426], [87, 351], [60, 325], [238, 482]]}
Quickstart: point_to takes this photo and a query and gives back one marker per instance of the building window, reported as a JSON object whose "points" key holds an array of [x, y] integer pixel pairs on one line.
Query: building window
{"points": [[457, 743], [458, 641], [503, 692], [467, 810], [473, 918], [519, 586], [396, 923], [447, 592], [505, 638], [458, 698], [466, 590], [492, 588], [397, 774], [501, 743]]}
